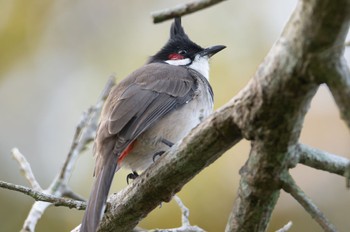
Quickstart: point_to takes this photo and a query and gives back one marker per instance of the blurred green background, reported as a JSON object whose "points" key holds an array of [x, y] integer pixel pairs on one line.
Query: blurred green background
{"points": [[55, 57]]}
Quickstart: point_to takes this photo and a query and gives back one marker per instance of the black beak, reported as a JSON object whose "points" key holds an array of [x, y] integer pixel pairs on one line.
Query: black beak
{"points": [[212, 50]]}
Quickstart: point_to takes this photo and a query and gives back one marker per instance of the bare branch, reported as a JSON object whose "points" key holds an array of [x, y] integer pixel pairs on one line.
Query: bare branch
{"points": [[84, 135], [275, 102], [85, 131], [185, 212], [269, 111], [41, 196], [26, 169], [347, 176], [290, 187], [322, 160], [72, 195], [286, 227], [205, 143], [338, 81], [186, 225], [184, 9]]}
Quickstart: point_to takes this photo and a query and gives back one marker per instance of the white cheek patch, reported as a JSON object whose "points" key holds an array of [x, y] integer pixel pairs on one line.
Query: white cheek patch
{"points": [[201, 65], [179, 62]]}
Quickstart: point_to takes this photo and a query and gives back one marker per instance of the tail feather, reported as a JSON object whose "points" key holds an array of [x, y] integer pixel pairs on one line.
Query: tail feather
{"points": [[98, 195]]}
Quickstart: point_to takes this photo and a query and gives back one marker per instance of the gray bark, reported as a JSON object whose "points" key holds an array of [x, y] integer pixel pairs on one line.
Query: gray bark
{"points": [[269, 112]]}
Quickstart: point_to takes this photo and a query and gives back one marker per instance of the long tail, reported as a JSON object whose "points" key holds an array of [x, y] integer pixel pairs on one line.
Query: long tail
{"points": [[98, 195]]}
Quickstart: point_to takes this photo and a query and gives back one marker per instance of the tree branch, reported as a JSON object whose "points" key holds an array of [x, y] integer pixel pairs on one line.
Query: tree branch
{"points": [[26, 169], [205, 143], [85, 131], [289, 185], [322, 160], [84, 134], [72, 195], [275, 103], [184, 9], [186, 225], [269, 111], [41, 196], [338, 82], [286, 227]]}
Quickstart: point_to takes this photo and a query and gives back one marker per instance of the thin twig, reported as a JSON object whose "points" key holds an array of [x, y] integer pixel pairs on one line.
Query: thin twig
{"points": [[84, 134], [322, 160], [337, 78], [184, 210], [26, 169], [183, 9], [85, 131], [289, 185], [40, 196], [286, 227], [72, 195]]}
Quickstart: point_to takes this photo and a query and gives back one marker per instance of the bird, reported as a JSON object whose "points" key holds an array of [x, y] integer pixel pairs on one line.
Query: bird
{"points": [[147, 112]]}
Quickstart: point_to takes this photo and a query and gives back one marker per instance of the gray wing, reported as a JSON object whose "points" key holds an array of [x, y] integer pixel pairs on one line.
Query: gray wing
{"points": [[138, 101], [157, 89]]}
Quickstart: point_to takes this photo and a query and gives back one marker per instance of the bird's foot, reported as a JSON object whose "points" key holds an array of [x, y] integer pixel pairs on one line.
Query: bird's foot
{"points": [[157, 155], [131, 176], [160, 153]]}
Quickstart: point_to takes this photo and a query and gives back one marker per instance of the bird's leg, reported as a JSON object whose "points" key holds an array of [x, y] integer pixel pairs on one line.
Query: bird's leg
{"points": [[160, 153], [167, 142], [131, 176]]}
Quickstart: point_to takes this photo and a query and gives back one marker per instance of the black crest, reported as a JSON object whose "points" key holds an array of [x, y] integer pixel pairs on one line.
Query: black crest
{"points": [[177, 29], [177, 42]]}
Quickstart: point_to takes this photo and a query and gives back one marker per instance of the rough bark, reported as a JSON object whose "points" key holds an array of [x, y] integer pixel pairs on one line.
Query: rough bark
{"points": [[171, 172], [269, 112], [276, 101]]}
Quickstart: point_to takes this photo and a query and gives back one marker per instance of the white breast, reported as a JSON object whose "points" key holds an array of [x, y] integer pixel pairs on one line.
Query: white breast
{"points": [[173, 127]]}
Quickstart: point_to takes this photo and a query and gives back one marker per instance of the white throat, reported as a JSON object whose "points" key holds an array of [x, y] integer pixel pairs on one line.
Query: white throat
{"points": [[200, 64]]}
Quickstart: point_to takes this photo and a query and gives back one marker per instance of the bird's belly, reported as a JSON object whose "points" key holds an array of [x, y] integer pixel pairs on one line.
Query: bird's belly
{"points": [[172, 127]]}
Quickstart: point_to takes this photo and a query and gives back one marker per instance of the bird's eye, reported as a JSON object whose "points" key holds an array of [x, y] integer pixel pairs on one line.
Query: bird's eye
{"points": [[182, 52]]}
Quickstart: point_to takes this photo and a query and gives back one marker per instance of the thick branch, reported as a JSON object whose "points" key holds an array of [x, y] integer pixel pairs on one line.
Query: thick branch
{"points": [[275, 103], [184, 9], [206, 143], [269, 111]]}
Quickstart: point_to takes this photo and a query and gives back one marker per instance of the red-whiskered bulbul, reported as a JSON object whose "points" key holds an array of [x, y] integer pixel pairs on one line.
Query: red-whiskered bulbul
{"points": [[151, 109]]}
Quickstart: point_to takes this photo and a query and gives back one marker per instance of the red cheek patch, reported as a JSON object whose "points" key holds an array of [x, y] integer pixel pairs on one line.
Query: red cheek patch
{"points": [[175, 56]]}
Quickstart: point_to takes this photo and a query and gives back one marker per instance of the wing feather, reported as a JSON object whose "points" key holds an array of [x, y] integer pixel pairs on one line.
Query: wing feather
{"points": [[140, 100]]}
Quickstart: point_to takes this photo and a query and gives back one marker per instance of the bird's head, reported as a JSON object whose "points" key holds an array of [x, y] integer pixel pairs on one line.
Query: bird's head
{"points": [[181, 51]]}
